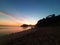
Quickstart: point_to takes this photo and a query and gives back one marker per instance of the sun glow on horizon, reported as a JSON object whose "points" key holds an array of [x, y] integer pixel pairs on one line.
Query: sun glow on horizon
{"points": [[29, 23]]}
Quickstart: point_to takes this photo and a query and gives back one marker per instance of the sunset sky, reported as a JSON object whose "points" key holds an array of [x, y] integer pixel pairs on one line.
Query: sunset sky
{"points": [[17, 12]]}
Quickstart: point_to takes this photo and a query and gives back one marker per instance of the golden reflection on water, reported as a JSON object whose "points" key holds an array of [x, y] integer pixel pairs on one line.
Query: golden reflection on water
{"points": [[9, 30]]}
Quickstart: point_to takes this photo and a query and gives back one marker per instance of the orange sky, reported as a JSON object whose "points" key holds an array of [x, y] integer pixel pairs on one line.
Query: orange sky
{"points": [[9, 23], [7, 19]]}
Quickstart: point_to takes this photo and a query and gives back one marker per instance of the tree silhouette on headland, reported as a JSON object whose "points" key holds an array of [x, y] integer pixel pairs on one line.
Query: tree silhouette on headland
{"points": [[50, 20]]}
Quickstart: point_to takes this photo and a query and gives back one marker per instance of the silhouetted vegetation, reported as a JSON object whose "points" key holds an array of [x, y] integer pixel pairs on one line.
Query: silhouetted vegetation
{"points": [[50, 20]]}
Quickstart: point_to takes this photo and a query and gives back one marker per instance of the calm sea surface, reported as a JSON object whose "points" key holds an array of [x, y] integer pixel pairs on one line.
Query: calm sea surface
{"points": [[9, 30]]}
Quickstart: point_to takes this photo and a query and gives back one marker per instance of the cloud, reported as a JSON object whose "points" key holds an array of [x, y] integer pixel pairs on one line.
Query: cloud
{"points": [[21, 20], [15, 19], [9, 15]]}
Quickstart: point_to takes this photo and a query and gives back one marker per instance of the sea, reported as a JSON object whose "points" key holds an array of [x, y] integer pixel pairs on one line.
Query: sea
{"points": [[9, 30]]}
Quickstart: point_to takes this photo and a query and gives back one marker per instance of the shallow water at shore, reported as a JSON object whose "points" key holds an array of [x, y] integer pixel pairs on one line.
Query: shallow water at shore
{"points": [[9, 30]]}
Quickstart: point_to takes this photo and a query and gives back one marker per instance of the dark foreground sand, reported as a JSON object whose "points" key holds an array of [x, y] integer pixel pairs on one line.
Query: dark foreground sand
{"points": [[36, 36]]}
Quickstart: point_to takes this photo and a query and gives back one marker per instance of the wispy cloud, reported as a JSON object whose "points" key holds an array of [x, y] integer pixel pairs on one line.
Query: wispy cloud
{"points": [[20, 20], [15, 19], [8, 15]]}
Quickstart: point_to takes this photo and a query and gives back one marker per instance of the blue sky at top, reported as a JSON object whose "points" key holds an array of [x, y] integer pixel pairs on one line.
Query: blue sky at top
{"points": [[32, 10]]}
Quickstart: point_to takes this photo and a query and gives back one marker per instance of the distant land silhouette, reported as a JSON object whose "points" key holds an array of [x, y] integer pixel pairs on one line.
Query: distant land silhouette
{"points": [[25, 26], [45, 32]]}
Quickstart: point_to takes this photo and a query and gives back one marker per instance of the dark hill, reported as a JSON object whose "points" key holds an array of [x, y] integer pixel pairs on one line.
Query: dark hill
{"points": [[50, 20]]}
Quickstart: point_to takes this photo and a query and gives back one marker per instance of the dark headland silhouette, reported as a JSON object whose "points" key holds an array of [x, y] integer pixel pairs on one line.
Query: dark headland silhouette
{"points": [[50, 20], [45, 32]]}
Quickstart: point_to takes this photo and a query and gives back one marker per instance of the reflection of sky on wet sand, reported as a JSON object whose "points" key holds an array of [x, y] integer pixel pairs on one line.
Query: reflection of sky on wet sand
{"points": [[9, 30]]}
